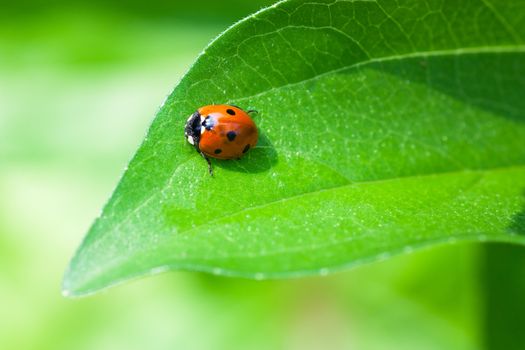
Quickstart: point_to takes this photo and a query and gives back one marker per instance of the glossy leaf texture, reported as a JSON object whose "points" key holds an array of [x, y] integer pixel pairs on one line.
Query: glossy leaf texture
{"points": [[385, 126]]}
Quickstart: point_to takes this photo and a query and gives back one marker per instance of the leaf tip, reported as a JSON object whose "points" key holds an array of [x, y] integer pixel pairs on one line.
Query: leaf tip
{"points": [[66, 293], [71, 291], [67, 289], [70, 287]]}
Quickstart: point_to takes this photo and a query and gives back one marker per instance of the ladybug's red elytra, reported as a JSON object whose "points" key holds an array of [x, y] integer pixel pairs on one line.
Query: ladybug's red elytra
{"points": [[221, 131]]}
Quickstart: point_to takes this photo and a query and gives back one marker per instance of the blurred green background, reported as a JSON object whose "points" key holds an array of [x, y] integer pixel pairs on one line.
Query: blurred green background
{"points": [[79, 85]]}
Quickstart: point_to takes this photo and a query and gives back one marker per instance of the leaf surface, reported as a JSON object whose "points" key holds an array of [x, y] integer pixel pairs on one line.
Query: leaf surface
{"points": [[385, 126]]}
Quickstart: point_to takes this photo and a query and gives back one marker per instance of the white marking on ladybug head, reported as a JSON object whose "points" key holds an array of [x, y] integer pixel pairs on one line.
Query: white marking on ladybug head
{"points": [[202, 118], [190, 140], [209, 122], [203, 129]]}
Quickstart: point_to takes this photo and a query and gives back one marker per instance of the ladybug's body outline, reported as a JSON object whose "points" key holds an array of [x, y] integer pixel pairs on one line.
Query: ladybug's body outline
{"points": [[221, 131]]}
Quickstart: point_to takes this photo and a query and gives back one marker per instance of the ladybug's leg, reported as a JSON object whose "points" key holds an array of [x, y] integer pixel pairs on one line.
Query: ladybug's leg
{"points": [[210, 170], [252, 111]]}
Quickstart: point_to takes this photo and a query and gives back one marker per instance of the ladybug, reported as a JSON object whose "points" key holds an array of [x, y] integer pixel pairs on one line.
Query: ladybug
{"points": [[221, 131]]}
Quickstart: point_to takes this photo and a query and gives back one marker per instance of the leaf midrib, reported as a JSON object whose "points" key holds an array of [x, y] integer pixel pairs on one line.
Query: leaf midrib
{"points": [[481, 172], [351, 184]]}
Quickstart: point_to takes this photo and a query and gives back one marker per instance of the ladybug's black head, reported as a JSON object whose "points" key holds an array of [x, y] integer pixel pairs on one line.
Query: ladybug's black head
{"points": [[192, 130]]}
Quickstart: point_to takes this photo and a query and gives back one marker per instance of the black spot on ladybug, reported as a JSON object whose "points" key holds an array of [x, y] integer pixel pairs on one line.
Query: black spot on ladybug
{"points": [[230, 111], [231, 135], [217, 151], [246, 148]]}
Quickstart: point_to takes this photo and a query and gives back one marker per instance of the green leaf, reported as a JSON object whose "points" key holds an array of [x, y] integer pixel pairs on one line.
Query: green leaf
{"points": [[385, 126]]}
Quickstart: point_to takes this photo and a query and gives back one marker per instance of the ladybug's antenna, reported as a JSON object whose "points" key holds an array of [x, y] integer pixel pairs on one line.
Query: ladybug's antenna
{"points": [[252, 111]]}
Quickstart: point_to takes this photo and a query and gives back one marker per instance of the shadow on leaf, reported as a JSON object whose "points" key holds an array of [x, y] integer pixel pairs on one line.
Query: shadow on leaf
{"points": [[492, 82], [258, 160], [517, 225]]}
